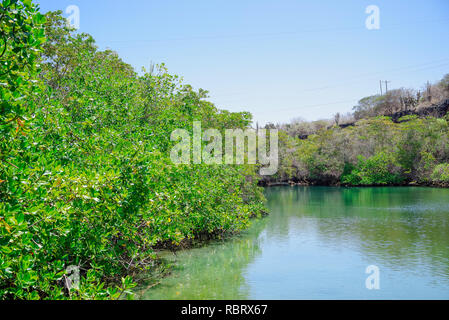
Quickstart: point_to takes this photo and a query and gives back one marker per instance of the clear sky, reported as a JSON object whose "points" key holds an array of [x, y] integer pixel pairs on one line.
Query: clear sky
{"points": [[279, 59]]}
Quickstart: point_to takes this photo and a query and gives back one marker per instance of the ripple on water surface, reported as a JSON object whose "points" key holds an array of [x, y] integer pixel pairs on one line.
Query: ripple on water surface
{"points": [[317, 243]]}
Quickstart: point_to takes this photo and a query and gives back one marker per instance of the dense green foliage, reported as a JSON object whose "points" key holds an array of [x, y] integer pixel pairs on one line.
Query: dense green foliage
{"points": [[376, 151], [378, 169], [85, 174], [441, 174]]}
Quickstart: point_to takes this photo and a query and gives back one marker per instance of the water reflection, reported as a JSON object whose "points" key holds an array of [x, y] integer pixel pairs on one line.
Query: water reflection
{"points": [[214, 271], [317, 243]]}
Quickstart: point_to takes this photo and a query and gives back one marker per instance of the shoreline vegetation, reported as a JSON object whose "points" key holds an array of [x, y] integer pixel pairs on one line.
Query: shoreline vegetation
{"points": [[305, 184], [385, 142], [86, 180]]}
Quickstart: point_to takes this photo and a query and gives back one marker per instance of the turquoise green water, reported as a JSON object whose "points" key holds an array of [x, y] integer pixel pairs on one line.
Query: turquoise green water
{"points": [[318, 242]]}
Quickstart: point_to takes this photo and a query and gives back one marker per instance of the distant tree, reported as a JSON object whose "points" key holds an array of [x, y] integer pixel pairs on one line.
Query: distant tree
{"points": [[444, 85], [366, 107], [337, 118]]}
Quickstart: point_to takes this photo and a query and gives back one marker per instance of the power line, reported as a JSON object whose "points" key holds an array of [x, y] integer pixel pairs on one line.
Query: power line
{"points": [[355, 79], [258, 35], [325, 104], [312, 106]]}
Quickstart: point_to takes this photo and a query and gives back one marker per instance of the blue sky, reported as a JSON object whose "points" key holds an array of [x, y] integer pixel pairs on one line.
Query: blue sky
{"points": [[280, 59]]}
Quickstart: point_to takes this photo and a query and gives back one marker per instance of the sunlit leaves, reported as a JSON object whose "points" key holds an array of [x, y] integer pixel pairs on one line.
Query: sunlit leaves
{"points": [[86, 179]]}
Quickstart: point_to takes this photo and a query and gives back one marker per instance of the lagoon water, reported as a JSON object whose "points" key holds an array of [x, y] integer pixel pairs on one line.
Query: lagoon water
{"points": [[317, 244]]}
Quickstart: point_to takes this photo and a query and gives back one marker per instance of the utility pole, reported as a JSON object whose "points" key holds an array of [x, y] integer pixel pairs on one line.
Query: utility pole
{"points": [[386, 85]]}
